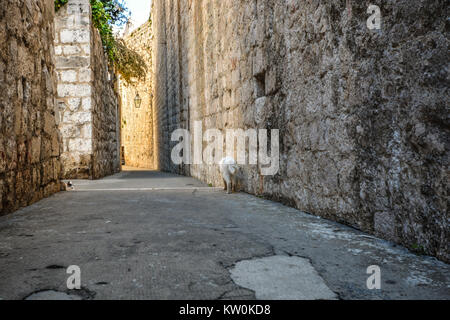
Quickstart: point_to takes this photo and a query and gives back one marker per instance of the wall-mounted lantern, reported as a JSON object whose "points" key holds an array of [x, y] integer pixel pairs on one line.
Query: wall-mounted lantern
{"points": [[137, 101]]}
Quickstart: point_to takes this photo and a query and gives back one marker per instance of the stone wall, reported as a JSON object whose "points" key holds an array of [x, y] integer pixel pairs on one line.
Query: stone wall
{"points": [[85, 95], [29, 138], [73, 63], [105, 113], [362, 113], [137, 123]]}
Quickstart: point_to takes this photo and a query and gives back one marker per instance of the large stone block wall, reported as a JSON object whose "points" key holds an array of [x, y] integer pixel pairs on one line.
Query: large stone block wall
{"points": [[137, 123], [363, 114], [73, 62], [105, 113], [85, 95], [29, 137]]}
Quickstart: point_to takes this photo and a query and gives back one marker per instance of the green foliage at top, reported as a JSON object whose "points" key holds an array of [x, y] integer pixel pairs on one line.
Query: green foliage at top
{"points": [[104, 21], [60, 3], [105, 15]]}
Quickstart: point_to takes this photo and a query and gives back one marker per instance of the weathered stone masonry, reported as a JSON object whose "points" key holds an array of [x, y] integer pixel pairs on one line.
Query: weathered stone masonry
{"points": [[105, 113], [29, 137], [37, 81], [86, 96], [363, 115]]}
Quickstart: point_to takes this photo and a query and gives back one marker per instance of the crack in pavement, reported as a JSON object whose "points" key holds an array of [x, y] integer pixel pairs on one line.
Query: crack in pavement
{"points": [[171, 244]]}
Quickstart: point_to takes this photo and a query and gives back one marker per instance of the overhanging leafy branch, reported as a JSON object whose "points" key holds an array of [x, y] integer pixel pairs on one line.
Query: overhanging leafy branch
{"points": [[105, 15]]}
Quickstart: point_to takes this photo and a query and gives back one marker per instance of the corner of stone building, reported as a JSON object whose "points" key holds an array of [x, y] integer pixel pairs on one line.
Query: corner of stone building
{"points": [[74, 76], [86, 97]]}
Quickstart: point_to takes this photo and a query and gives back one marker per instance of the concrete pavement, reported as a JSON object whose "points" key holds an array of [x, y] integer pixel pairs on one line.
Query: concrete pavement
{"points": [[153, 235]]}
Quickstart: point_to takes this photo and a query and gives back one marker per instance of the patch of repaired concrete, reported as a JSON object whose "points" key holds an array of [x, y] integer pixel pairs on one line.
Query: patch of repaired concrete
{"points": [[52, 295], [281, 278]]}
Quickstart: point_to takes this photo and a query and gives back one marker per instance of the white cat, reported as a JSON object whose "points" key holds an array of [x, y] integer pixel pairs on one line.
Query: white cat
{"points": [[229, 170]]}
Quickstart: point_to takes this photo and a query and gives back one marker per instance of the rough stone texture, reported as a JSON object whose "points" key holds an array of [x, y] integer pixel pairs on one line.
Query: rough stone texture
{"points": [[137, 123], [362, 114], [29, 138], [73, 62], [105, 110], [86, 97]]}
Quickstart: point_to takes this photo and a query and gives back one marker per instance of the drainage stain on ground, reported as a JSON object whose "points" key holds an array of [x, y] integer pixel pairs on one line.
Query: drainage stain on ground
{"points": [[52, 295], [281, 278]]}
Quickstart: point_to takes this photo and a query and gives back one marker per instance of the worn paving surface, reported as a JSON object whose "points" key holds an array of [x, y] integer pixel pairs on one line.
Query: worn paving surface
{"points": [[151, 235]]}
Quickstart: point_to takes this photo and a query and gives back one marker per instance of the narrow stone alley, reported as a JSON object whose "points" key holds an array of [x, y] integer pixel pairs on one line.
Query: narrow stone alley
{"points": [[152, 235], [329, 119]]}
